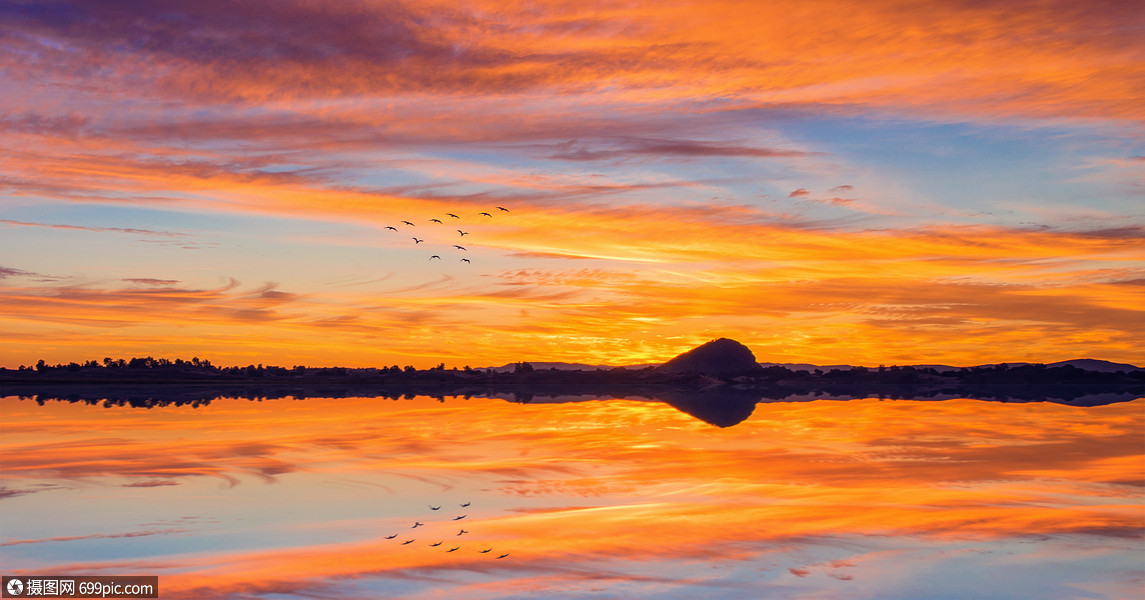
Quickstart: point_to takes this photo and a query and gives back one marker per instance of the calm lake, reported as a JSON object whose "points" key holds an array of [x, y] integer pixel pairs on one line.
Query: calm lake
{"points": [[319, 498]]}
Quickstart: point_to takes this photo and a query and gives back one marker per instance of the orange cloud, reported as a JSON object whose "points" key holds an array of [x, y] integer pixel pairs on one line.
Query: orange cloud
{"points": [[881, 295], [931, 56]]}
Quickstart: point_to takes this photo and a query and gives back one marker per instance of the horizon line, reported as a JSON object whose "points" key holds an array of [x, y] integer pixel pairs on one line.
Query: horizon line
{"points": [[509, 365]]}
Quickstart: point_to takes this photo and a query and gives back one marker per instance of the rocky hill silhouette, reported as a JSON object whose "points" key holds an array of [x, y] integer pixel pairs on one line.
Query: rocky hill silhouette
{"points": [[717, 357]]}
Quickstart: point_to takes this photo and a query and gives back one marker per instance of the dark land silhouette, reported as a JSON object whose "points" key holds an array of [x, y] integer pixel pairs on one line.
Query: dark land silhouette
{"points": [[719, 383], [717, 357]]}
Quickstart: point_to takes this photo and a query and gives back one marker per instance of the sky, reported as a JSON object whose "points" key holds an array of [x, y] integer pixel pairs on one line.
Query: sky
{"points": [[882, 182]]}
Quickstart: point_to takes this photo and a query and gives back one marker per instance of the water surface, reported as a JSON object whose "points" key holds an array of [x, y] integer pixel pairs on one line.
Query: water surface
{"points": [[864, 498]]}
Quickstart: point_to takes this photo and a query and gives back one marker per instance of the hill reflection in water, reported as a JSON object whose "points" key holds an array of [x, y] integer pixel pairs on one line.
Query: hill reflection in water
{"points": [[722, 406]]}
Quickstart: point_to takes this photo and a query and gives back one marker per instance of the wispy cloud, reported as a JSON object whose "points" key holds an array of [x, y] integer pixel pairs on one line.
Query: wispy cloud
{"points": [[127, 230], [667, 148], [152, 281], [10, 272], [95, 536]]}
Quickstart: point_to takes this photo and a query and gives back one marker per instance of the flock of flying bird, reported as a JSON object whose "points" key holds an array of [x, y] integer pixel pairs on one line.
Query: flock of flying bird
{"points": [[417, 524], [461, 233]]}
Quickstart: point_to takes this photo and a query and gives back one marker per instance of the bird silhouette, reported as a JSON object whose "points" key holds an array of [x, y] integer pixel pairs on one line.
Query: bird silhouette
{"points": [[459, 247], [432, 507], [435, 545], [417, 524], [438, 258], [390, 227], [486, 551], [417, 241], [465, 505], [502, 208], [503, 555], [408, 223], [462, 232], [460, 518], [461, 532], [409, 542], [454, 549], [390, 537], [434, 221], [465, 260], [453, 215], [486, 214]]}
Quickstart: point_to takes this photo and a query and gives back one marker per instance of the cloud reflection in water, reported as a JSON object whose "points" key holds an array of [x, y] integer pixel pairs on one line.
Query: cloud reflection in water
{"points": [[858, 499]]}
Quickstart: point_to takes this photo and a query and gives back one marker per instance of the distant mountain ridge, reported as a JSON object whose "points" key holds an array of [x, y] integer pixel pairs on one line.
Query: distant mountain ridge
{"points": [[565, 366], [1085, 364], [1096, 364]]}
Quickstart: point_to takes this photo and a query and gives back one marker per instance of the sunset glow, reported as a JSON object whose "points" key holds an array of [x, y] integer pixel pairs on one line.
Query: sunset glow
{"points": [[829, 182]]}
